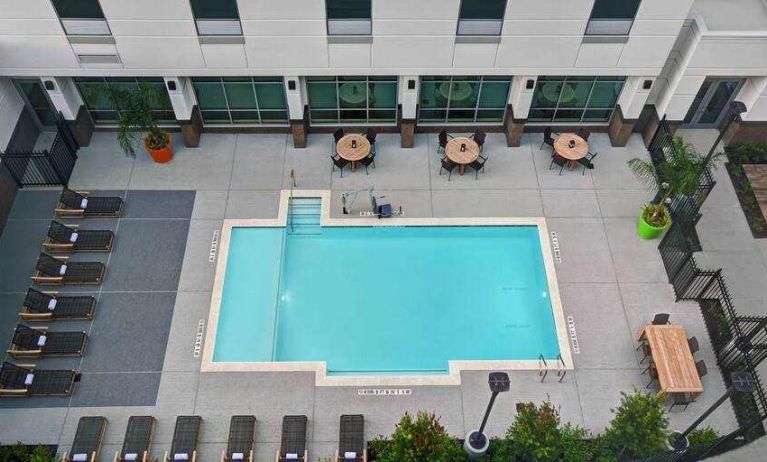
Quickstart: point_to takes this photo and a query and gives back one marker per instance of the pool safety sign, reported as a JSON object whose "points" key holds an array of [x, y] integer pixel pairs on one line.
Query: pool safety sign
{"points": [[384, 392]]}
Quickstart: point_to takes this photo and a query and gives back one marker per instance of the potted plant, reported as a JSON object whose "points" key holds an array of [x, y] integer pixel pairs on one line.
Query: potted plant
{"points": [[680, 175], [136, 114]]}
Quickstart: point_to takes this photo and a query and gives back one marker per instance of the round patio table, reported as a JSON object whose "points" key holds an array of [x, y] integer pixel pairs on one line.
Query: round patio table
{"points": [[463, 157], [572, 153], [353, 93], [459, 92], [354, 154]]}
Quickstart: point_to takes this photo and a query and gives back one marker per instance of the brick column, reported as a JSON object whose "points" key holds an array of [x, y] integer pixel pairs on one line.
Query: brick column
{"points": [[620, 128], [300, 129], [184, 102], [513, 128]]}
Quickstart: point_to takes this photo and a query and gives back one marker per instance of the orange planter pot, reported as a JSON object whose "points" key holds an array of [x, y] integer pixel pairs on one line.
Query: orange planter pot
{"points": [[163, 155]]}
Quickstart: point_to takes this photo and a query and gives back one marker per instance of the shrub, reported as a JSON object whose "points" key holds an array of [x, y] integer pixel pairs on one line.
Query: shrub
{"points": [[747, 153], [422, 439], [639, 428], [702, 436], [538, 436]]}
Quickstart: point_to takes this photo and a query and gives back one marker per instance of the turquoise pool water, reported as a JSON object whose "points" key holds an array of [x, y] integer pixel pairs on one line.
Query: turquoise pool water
{"points": [[385, 300]]}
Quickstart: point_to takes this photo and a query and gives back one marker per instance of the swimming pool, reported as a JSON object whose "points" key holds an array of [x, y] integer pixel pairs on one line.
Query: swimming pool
{"points": [[377, 301]]}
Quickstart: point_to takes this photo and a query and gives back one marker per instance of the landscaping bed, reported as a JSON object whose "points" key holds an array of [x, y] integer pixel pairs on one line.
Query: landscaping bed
{"points": [[742, 159]]}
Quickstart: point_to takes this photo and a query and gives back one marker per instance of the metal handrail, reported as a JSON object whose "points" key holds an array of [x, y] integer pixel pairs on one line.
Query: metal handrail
{"points": [[543, 367], [561, 368], [290, 198]]}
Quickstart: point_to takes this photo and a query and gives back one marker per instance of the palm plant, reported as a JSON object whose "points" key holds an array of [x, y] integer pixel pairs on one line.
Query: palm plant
{"points": [[680, 174]]}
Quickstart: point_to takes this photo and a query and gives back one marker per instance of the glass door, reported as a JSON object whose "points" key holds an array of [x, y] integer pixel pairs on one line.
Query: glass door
{"points": [[36, 98], [709, 105]]}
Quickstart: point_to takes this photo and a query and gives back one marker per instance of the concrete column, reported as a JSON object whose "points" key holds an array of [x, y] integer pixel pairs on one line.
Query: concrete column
{"points": [[298, 113], [520, 98], [752, 128], [409, 87], [184, 102], [630, 104], [65, 97]]}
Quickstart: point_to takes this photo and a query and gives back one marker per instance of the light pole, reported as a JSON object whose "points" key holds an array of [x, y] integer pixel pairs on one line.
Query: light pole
{"points": [[477, 442]]}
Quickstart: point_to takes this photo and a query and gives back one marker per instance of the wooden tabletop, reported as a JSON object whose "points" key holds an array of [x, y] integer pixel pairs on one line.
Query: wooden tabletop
{"points": [[673, 359], [467, 156], [346, 150], [562, 146]]}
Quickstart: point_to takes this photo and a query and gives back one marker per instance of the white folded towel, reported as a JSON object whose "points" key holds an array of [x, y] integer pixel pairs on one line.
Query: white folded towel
{"points": [[83, 203], [131, 456], [73, 237], [41, 340], [62, 270], [182, 456], [291, 456], [350, 455], [79, 457], [29, 379], [238, 456], [52, 304]]}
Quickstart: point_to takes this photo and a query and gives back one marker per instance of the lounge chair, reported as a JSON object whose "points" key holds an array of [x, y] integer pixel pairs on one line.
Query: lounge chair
{"points": [[241, 436], [138, 439], [27, 380], [87, 442], [33, 343], [185, 436], [293, 446], [58, 271], [49, 306], [63, 238], [81, 204], [351, 440]]}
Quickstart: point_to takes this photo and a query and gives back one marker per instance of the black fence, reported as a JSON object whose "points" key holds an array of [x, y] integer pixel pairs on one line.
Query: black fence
{"points": [[698, 452], [50, 167]]}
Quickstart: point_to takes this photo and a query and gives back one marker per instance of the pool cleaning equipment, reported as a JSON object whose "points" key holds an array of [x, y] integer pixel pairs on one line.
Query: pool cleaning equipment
{"points": [[376, 209]]}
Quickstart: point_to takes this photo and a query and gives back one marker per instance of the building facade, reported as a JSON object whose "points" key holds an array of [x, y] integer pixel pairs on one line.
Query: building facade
{"points": [[304, 66]]}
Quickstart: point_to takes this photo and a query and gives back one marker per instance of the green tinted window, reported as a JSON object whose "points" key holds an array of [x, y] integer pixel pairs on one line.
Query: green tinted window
{"points": [[241, 100], [575, 99], [463, 99], [94, 91], [78, 9], [352, 99]]}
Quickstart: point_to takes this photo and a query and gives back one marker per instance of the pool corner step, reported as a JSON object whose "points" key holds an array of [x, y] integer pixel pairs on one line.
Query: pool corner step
{"points": [[304, 215]]}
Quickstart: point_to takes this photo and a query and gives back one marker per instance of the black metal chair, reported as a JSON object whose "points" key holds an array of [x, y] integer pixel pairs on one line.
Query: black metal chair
{"points": [[340, 163], [338, 134], [583, 133], [586, 162], [646, 352], [693, 343], [661, 319], [443, 137], [479, 138], [680, 399], [478, 165], [367, 161], [371, 136], [653, 372], [448, 165], [559, 160], [701, 368], [548, 139]]}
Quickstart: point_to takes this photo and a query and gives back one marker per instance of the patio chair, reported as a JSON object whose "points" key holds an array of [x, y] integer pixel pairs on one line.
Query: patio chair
{"points": [[680, 399], [33, 343], [692, 342], [652, 372], [661, 319], [366, 162], [548, 139], [479, 138], [87, 442], [448, 165], [371, 136], [587, 164], [646, 352], [583, 133], [351, 440], [340, 163], [293, 443], [185, 437], [59, 271], [242, 429], [700, 366], [478, 165], [81, 204], [338, 134], [443, 138], [27, 380], [63, 238], [49, 306], [559, 161], [138, 439]]}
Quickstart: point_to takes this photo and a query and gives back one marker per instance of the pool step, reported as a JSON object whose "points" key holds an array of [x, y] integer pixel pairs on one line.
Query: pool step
{"points": [[304, 216]]}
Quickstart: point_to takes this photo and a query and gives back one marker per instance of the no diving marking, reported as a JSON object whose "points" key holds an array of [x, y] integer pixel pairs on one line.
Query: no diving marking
{"points": [[384, 392], [573, 334]]}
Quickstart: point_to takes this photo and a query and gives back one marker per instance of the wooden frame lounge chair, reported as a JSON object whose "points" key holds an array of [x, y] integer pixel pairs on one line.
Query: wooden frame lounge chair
{"points": [[81, 204], [27, 380], [49, 306], [33, 343], [138, 439], [68, 238], [59, 271], [87, 441], [293, 445], [185, 437], [351, 440], [242, 429]]}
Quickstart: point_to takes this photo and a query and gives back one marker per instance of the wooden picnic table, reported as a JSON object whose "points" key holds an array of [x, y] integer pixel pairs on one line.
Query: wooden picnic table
{"points": [[465, 157], [673, 358]]}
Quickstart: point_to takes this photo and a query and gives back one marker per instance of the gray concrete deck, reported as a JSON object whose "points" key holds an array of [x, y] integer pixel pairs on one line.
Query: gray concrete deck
{"points": [[611, 283]]}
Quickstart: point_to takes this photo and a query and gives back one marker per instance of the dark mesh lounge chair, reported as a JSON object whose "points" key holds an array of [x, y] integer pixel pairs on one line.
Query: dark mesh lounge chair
{"points": [[242, 429], [80, 204], [58, 271], [293, 446], [32, 343], [26, 380], [351, 440], [49, 306], [185, 436], [87, 442], [138, 439], [63, 238]]}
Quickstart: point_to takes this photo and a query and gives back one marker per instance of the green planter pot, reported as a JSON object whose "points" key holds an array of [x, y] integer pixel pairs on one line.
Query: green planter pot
{"points": [[648, 231]]}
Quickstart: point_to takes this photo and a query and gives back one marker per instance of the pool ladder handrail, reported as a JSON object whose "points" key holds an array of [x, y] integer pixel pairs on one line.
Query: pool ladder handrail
{"points": [[543, 368], [293, 184]]}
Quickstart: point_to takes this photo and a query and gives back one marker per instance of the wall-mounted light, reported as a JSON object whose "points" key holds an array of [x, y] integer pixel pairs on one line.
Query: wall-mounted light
{"points": [[49, 85], [647, 84], [291, 84], [171, 85], [530, 84], [411, 84]]}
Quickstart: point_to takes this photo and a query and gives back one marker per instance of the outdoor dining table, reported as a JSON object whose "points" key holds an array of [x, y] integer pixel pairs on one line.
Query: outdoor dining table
{"points": [[462, 157], [353, 148], [573, 153], [672, 358]]}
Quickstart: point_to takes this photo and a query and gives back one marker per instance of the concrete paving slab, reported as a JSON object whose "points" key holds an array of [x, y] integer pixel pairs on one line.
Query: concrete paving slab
{"points": [[190, 309], [253, 204], [102, 164], [487, 203], [20, 246], [622, 203], [33, 204], [159, 204], [259, 161], [570, 203], [117, 389], [599, 391], [635, 259], [197, 271], [310, 164], [584, 250], [209, 205]]}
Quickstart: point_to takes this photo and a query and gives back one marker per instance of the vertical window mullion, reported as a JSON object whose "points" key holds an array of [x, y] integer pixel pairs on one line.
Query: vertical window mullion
{"points": [[255, 98], [449, 98], [226, 98], [588, 100], [479, 96]]}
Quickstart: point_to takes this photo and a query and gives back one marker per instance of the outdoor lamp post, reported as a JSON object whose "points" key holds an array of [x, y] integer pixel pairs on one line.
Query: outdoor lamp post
{"points": [[477, 442]]}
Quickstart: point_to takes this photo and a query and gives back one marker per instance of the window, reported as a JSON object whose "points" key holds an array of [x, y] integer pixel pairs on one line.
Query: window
{"points": [[352, 99], [81, 17], [481, 17], [104, 112], [612, 17], [241, 100], [575, 99], [216, 17], [349, 17], [462, 99]]}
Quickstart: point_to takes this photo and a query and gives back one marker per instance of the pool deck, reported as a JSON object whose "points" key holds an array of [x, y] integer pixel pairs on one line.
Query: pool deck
{"points": [[611, 283]]}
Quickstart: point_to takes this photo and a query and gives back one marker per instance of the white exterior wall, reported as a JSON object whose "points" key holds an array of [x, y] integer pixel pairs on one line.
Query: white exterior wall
{"points": [[11, 105]]}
